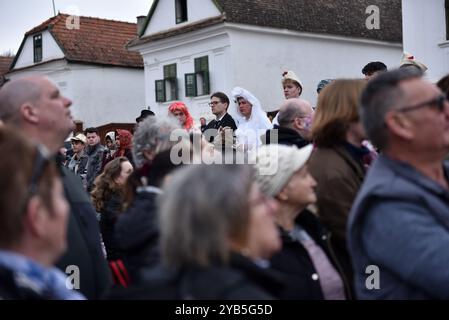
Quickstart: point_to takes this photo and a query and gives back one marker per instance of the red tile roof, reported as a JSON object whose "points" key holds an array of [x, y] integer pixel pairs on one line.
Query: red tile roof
{"points": [[96, 41], [5, 63]]}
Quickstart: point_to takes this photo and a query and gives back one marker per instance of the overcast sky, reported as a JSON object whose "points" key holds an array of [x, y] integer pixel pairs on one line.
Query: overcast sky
{"points": [[19, 16]]}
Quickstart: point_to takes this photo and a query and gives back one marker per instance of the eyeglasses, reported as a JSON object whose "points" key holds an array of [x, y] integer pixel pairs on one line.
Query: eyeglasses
{"points": [[214, 103], [439, 102], [40, 162]]}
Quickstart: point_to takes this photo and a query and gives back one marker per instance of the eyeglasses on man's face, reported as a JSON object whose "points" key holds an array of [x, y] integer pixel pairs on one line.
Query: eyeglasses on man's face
{"points": [[214, 103], [438, 102]]}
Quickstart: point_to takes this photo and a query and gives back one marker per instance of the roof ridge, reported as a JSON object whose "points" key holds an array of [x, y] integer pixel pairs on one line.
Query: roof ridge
{"points": [[98, 18]]}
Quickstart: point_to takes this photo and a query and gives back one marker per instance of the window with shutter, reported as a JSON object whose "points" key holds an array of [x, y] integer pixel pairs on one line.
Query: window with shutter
{"points": [[190, 84], [181, 11], [160, 90], [37, 47], [202, 82], [447, 18]]}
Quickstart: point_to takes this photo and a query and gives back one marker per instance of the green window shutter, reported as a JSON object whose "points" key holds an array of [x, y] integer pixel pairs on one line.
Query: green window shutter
{"points": [[202, 64], [170, 71], [174, 88], [206, 83], [160, 90], [190, 84]]}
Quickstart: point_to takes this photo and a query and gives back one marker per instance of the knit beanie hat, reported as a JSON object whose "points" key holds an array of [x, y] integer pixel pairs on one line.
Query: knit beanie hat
{"points": [[276, 164]]}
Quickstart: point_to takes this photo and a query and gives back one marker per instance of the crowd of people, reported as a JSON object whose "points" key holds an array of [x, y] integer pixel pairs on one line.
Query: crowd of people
{"points": [[323, 194]]}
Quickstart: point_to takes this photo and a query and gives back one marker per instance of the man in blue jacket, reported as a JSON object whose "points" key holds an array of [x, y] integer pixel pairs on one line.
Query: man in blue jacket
{"points": [[398, 231]]}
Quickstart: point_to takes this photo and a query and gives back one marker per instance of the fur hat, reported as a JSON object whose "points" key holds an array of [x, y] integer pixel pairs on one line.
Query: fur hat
{"points": [[276, 164], [407, 59], [290, 75]]}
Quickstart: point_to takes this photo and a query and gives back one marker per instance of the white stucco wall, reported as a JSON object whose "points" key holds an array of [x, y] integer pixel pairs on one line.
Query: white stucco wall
{"points": [[183, 50], [261, 57], [50, 50], [164, 16], [100, 94], [424, 35], [254, 58], [103, 95]]}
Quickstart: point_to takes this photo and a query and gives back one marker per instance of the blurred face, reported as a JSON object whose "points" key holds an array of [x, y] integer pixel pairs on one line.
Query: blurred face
{"points": [[291, 90], [117, 142], [263, 239], [109, 143], [126, 170], [92, 139], [203, 121], [428, 124], [56, 237], [53, 110], [77, 146], [218, 108], [245, 107], [357, 131], [300, 190], [180, 116]]}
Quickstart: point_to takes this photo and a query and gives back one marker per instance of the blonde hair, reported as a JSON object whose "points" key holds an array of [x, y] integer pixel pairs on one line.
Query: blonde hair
{"points": [[337, 107]]}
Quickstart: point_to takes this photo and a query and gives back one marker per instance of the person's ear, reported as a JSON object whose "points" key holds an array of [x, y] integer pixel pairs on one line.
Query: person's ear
{"points": [[399, 125], [282, 195], [36, 217], [29, 113], [298, 123]]}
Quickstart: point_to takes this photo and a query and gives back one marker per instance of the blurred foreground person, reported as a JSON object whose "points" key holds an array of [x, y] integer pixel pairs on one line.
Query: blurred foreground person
{"points": [[399, 223], [307, 258], [33, 223], [136, 230], [212, 248], [339, 162], [35, 106]]}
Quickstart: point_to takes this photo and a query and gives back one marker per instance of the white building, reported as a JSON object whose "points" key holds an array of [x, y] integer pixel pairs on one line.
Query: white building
{"points": [[192, 48], [426, 34], [88, 61]]}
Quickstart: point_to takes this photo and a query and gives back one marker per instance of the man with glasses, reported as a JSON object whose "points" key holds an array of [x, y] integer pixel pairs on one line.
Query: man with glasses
{"points": [[295, 118], [219, 103], [398, 231], [36, 107]]}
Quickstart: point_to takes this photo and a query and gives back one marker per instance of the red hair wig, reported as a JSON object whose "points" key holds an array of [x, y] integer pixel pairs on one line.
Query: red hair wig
{"points": [[180, 106]]}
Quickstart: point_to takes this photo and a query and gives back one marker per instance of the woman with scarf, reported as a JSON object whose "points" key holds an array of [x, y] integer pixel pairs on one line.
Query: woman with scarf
{"points": [[123, 141], [251, 120]]}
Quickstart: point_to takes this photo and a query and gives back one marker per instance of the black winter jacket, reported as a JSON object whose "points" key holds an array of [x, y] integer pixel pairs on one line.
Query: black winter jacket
{"points": [[83, 240], [137, 235], [286, 136], [295, 263]]}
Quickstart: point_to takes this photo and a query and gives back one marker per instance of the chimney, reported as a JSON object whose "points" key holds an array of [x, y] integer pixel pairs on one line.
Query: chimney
{"points": [[140, 23]]}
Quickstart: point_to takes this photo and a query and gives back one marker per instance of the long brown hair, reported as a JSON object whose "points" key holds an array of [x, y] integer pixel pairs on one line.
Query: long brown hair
{"points": [[105, 185], [337, 107]]}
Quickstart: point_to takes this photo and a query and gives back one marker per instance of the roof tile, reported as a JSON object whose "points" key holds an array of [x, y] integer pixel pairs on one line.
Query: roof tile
{"points": [[96, 41]]}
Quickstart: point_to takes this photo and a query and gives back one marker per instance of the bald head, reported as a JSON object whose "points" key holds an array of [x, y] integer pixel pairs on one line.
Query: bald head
{"points": [[36, 106], [291, 109], [16, 93]]}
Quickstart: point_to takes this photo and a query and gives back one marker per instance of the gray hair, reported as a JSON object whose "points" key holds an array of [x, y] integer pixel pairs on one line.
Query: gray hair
{"points": [[381, 95], [291, 109], [202, 209], [153, 135]]}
